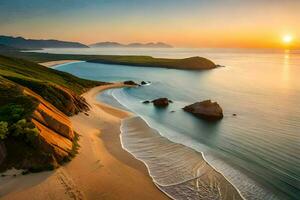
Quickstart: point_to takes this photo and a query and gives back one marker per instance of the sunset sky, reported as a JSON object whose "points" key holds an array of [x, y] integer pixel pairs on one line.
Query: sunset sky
{"points": [[182, 23]]}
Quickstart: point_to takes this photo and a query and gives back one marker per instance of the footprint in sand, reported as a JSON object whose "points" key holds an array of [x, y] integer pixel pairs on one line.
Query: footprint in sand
{"points": [[70, 188]]}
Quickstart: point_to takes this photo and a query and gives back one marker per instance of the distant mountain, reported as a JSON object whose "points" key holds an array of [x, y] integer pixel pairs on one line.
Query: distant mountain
{"points": [[22, 43], [150, 45], [133, 45], [107, 44]]}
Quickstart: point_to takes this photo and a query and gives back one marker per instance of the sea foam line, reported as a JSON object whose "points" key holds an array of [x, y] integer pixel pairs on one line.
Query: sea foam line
{"points": [[175, 168]]}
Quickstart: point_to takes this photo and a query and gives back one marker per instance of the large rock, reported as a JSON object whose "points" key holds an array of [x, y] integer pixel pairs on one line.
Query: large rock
{"points": [[161, 102], [207, 110]]}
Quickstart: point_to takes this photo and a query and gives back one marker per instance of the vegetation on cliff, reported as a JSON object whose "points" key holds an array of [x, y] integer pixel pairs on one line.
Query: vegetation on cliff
{"points": [[35, 132]]}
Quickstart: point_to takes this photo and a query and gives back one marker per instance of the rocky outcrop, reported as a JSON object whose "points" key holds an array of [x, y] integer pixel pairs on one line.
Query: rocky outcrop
{"points": [[161, 102], [53, 143], [75, 103], [207, 110], [56, 133]]}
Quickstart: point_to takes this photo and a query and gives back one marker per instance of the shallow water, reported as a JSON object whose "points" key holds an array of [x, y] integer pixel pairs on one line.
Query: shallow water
{"points": [[176, 169], [258, 150]]}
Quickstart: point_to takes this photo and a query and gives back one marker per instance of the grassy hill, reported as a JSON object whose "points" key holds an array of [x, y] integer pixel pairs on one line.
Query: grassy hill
{"points": [[35, 132], [192, 63]]}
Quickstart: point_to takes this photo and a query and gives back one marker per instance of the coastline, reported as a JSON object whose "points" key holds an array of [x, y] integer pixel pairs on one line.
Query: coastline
{"points": [[57, 62], [101, 170], [103, 155]]}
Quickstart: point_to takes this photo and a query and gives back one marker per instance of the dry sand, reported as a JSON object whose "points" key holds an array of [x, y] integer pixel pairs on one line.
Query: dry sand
{"points": [[101, 170], [58, 62]]}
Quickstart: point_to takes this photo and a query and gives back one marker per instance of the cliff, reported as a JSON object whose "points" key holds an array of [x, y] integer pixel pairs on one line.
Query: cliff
{"points": [[35, 131]]}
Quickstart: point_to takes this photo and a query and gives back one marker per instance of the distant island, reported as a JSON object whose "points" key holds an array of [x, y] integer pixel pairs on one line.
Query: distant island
{"points": [[131, 45], [22, 43], [192, 63]]}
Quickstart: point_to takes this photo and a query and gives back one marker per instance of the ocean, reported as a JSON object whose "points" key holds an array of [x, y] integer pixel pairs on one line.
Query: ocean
{"points": [[258, 150]]}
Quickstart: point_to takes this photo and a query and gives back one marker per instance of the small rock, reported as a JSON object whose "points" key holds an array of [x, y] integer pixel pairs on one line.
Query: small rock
{"points": [[146, 102], [161, 102], [233, 114], [172, 111]]}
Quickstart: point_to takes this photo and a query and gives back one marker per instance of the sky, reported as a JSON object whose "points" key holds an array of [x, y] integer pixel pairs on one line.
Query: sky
{"points": [[182, 23]]}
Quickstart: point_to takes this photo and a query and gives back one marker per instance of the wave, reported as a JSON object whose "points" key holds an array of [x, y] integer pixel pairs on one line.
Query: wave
{"points": [[177, 170]]}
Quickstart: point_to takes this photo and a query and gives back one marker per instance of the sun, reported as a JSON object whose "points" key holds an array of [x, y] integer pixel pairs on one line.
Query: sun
{"points": [[287, 39]]}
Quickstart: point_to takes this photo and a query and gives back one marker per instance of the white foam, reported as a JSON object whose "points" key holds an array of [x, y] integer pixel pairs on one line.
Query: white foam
{"points": [[177, 170]]}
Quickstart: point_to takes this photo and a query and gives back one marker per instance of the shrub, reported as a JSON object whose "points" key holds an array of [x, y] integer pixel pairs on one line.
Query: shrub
{"points": [[11, 112], [25, 130], [3, 130]]}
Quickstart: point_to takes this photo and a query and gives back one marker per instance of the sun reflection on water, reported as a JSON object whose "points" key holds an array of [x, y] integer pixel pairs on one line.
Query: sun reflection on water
{"points": [[286, 68]]}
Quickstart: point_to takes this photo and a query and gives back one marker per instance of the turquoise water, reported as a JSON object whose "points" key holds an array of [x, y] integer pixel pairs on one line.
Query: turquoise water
{"points": [[259, 149]]}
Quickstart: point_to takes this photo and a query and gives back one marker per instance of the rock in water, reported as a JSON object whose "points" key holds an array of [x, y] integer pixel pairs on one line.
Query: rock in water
{"points": [[130, 83], [143, 83], [161, 102], [207, 110]]}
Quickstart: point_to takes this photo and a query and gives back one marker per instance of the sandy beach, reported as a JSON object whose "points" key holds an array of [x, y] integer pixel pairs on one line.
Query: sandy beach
{"points": [[57, 62], [101, 170]]}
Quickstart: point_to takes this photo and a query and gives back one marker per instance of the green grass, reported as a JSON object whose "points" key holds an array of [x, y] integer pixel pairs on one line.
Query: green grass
{"points": [[14, 68], [14, 105], [46, 82], [193, 63]]}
